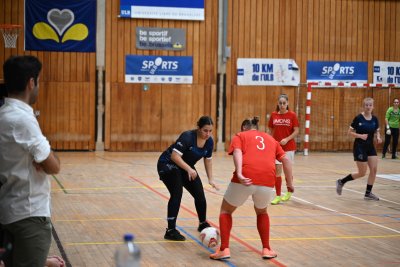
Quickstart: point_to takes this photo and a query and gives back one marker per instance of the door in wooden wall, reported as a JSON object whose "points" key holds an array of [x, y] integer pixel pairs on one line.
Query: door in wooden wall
{"points": [[150, 120]]}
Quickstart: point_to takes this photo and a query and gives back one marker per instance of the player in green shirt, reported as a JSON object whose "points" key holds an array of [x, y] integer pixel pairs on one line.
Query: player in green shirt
{"points": [[392, 128]]}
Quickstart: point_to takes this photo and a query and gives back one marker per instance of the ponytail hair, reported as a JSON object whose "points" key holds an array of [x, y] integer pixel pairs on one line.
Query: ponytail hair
{"points": [[250, 123]]}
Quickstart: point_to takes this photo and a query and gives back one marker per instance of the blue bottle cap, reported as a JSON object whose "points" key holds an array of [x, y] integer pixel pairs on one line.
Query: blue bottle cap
{"points": [[128, 237]]}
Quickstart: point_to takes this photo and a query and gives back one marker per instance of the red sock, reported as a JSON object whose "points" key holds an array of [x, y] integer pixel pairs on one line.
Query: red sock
{"points": [[278, 185], [263, 229], [225, 226]]}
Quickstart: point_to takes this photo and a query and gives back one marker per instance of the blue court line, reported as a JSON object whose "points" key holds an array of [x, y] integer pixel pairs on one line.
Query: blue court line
{"points": [[201, 244], [390, 216]]}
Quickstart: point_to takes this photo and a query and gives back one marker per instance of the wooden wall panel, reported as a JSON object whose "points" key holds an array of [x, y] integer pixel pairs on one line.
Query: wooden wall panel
{"points": [[305, 30], [67, 88], [138, 120], [342, 30]]}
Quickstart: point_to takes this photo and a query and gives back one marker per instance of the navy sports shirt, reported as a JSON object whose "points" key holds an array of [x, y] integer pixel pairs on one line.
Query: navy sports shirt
{"points": [[186, 146], [363, 126]]}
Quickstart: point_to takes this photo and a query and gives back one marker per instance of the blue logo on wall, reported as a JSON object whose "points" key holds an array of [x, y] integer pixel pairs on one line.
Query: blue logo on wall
{"points": [[337, 71]]}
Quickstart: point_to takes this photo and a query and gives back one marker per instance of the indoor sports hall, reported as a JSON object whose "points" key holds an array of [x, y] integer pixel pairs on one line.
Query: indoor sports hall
{"points": [[122, 79]]}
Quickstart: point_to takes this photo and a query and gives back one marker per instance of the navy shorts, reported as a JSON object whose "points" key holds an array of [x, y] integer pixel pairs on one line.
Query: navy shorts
{"points": [[361, 152]]}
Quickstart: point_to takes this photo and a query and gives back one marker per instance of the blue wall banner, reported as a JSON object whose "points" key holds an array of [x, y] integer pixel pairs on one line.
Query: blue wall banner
{"points": [[163, 9], [265, 71], [62, 25], [337, 71], [387, 72], [159, 69]]}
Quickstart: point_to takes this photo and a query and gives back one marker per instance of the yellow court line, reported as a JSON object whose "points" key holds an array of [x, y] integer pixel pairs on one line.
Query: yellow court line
{"points": [[116, 243], [328, 237], [108, 188], [244, 239], [103, 188], [111, 219]]}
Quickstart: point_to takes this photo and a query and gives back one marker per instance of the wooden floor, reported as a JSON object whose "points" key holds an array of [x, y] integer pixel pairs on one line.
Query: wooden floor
{"points": [[99, 196]]}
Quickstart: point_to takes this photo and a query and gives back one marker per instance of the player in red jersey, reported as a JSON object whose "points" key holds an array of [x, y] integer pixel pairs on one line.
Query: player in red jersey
{"points": [[254, 155], [284, 127]]}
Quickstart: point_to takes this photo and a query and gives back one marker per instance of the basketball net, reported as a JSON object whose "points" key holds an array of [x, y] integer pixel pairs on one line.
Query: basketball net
{"points": [[10, 35]]}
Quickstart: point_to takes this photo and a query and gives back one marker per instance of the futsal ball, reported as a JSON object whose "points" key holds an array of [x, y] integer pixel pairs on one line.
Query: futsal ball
{"points": [[209, 237]]}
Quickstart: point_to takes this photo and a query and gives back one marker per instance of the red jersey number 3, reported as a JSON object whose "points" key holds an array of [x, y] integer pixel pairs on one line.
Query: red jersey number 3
{"points": [[260, 146]]}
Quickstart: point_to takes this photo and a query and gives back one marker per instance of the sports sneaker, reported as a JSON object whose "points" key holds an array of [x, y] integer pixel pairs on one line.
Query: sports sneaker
{"points": [[395, 157], [287, 196], [383, 156], [276, 200], [174, 235], [371, 196], [268, 253], [221, 255], [339, 187], [203, 225]]}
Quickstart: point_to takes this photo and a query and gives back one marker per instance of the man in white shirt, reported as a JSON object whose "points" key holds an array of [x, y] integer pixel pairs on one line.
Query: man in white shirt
{"points": [[25, 159]]}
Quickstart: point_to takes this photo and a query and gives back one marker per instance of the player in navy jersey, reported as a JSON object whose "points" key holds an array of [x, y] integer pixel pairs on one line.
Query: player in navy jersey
{"points": [[176, 169], [363, 129]]}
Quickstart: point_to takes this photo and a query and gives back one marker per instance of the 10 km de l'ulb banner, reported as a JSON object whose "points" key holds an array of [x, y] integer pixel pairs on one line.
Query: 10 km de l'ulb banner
{"points": [[60, 25], [387, 72], [266, 71]]}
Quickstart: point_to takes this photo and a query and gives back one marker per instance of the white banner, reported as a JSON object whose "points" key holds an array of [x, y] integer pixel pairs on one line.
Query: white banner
{"points": [[387, 72], [266, 71]]}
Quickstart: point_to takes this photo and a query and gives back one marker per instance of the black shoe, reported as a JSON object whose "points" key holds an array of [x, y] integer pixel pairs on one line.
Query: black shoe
{"points": [[203, 225], [173, 234], [383, 156]]}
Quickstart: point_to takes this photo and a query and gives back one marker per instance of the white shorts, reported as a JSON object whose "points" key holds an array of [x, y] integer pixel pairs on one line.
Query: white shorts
{"points": [[289, 154], [237, 194]]}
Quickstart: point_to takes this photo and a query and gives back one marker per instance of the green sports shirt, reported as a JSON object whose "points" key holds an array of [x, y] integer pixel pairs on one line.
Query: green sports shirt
{"points": [[393, 117]]}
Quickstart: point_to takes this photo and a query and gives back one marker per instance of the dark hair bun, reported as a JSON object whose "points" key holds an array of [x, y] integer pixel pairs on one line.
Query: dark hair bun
{"points": [[255, 120]]}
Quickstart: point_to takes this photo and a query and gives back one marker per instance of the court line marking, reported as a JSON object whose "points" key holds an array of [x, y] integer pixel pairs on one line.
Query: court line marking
{"points": [[380, 198], [276, 262], [237, 217], [348, 215], [195, 240], [331, 237], [227, 262], [101, 188], [59, 184], [60, 246], [110, 219]]}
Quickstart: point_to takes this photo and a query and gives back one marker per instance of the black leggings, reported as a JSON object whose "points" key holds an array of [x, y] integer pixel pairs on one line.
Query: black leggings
{"points": [[175, 180], [395, 138]]}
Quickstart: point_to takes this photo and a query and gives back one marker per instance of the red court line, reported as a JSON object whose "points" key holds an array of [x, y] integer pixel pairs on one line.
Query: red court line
{"points": [[247, 245]]}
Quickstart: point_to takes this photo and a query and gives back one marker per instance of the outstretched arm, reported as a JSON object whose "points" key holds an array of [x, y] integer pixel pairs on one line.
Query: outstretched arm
{"points": [[208, 167]]}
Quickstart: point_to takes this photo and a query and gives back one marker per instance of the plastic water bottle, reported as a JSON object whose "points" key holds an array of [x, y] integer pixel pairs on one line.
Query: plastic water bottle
{"points": [[128, 255]]}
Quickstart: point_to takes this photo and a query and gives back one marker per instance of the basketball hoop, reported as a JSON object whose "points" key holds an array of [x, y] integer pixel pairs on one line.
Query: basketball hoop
{"points": [[10, 34]]}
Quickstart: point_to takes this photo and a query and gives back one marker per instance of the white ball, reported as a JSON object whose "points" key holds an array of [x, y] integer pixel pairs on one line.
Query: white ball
{"points": [[209, 237]]}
